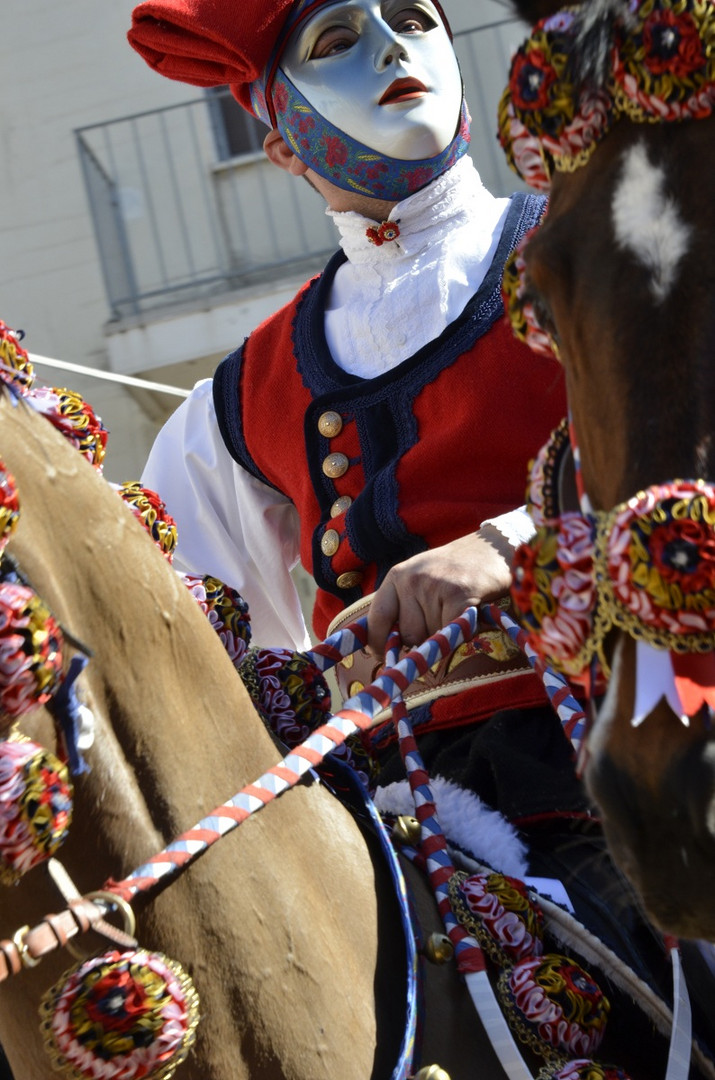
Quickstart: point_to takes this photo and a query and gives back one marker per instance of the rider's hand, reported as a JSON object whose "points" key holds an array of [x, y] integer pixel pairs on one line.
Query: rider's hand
{"points": [[431, 589]]}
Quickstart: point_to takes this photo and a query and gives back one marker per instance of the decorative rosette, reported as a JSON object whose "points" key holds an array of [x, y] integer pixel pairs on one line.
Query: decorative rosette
{"points": [[545, 121], [30, 650], [498, 911], [293, 698], [584, 1069], [226, 610], [656, 558], [555, 592], [542, 496], [77, 421], [554, 1005], [664, 67], [388, 230], [15, 367], [9, 505], [289, 692], [146, 505], [519, 308], [128, 1016], [35, 806]]}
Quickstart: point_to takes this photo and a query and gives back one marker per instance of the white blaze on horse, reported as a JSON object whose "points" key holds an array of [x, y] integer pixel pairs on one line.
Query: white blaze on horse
{"points": [[610, 109]]}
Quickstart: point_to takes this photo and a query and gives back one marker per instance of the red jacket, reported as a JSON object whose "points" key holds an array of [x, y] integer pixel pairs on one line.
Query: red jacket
{"points": [[430, 449]]}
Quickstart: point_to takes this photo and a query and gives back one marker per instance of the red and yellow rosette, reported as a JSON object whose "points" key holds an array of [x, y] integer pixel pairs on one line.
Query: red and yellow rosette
{"points": [[30, 650], [9, 505], [15, 367], [76, 419], [226, 610], [35, 806], [151, 511], [497, 910], [553, 1005], [128, 1016]]}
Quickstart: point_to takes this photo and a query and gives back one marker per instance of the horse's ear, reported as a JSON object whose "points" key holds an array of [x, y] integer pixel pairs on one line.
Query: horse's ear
{"points": [[531, 11]]}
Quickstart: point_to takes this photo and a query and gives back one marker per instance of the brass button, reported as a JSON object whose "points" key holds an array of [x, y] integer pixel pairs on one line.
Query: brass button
{"points": [[330, 424], [335, 465], [340, 505], [349, 579], [355, 688], [330, 542]]}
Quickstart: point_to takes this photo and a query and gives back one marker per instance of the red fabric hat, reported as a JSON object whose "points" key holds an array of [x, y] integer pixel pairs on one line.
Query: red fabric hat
{"points": [[209, 42]]}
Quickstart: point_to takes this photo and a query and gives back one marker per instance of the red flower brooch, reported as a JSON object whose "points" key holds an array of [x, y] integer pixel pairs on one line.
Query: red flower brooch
{"points": [[389, 230]]}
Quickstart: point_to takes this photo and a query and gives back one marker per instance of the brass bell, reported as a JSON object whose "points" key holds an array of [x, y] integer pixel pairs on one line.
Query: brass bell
{"points": [[407, 830], [438, 949], [431, 1072]]}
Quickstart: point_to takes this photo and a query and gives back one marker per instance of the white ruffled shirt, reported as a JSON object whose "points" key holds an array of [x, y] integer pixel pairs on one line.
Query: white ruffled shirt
{"points": [[386, 303]]}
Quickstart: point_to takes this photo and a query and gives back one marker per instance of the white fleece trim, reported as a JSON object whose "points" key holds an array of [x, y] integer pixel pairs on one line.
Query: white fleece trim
{"points": [[466, 821]]}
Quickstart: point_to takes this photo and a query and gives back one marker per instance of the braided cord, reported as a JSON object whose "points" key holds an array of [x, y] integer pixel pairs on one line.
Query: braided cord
{"points": [[357, 714], [567, 708], [468, 953]]}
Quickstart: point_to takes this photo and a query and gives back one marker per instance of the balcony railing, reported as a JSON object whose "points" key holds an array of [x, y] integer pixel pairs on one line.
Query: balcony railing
{"points": [[179, 216]]}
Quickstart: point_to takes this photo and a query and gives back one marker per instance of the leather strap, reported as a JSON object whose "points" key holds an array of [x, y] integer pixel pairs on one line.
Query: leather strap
{"points": [[29, 945]]}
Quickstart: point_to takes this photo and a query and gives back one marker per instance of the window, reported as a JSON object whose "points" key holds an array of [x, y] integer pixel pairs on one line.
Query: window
{"points": [[235, 131]]}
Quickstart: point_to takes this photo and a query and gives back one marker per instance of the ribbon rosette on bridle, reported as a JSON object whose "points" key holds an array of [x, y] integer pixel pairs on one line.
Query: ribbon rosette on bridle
{"points": [[546, 122], [660, 65], [646, 567], [125, 1015], [664, 65], [520, 310]]}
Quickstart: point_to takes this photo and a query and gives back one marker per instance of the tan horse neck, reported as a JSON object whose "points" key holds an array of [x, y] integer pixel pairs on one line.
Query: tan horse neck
{"points": [[277, 924]]}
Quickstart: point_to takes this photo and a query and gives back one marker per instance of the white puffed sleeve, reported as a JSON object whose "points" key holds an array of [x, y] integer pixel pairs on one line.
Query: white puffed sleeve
{"points": [[229, 524]]}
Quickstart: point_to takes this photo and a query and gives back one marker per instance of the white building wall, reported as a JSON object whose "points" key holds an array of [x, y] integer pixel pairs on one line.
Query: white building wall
{"points": [[67, 65]]}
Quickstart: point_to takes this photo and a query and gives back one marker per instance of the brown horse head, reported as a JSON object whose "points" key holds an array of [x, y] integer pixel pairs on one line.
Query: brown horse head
{"points": [[621, 275]]}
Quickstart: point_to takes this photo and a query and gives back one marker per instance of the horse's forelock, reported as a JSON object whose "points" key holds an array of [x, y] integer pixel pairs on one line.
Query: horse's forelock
{"points": [[595, 28], [595, 23]]}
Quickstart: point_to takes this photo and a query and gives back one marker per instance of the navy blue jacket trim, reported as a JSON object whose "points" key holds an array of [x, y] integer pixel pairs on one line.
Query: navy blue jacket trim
{"points": [[226, 380]]}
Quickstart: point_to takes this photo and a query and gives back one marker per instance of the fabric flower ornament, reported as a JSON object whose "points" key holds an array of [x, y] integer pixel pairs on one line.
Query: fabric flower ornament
{"points": [[552, 1003], [656, 564], [151, 511], [498, 912], [226, 610], [128, 1016], [546, 122], [9, 505], [554, 591], [664, 68], [388, 230], [519, 307], [35, 806], [30, 650], [15, 367], [75, 419]]}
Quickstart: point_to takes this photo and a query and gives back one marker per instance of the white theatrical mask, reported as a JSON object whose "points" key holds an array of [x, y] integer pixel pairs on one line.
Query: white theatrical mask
{"points": [[385, 74]]}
